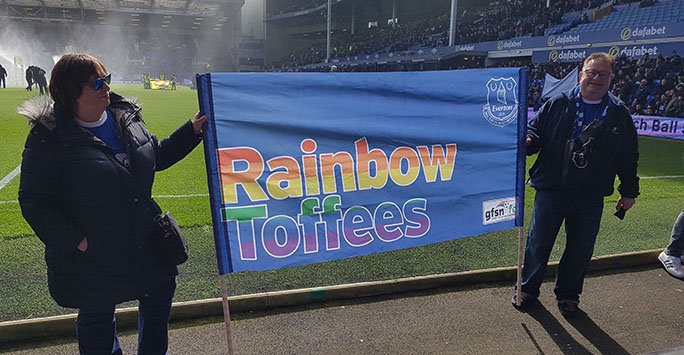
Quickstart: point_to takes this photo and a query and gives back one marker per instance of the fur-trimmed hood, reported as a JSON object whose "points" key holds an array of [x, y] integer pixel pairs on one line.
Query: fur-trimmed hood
{"points": [[40, 109]]}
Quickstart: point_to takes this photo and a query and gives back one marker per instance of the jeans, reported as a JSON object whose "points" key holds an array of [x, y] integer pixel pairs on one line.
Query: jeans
{"points": [[582, 216], [676, 246], [96, 327]]}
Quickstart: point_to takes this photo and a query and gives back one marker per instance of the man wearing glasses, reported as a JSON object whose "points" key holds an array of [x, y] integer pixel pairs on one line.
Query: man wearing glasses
{"points": [[584, 138]]}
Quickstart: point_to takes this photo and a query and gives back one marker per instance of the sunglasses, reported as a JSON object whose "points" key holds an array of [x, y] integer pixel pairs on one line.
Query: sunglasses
{"points": [[97, 84]]}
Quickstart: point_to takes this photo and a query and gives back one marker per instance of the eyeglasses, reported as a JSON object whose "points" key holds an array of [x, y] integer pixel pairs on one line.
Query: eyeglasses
{"points": [[97, 84], [593, 73]]}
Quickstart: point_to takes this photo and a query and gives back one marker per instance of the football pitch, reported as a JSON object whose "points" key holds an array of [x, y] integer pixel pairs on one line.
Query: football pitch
{"points": [[182, 189]]}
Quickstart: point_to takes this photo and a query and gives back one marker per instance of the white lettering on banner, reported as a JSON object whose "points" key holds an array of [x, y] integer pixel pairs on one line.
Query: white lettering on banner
{"points": [[638, 52], [568, 55], [494, 211], [564, 39], [670, 127], [503, 108], [466, 47], [646, 31], [509, 44]]}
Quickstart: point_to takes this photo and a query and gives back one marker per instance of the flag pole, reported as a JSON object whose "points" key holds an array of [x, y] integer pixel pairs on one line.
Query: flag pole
{"points": [[518, 288], [226, 313]]}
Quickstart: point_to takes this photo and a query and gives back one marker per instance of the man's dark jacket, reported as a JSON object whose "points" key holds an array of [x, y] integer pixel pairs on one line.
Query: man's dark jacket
{"points": [[617, 149], [73, 187]]}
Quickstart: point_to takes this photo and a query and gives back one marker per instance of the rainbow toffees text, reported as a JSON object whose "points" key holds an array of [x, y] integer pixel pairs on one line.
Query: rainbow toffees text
{"points": [[320, 181]]}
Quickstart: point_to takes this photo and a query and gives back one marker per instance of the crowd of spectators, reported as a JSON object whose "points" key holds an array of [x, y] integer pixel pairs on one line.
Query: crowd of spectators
{"points": [[648, 86], [651, 86], [425, 30], [284, 7], [498, 20]]}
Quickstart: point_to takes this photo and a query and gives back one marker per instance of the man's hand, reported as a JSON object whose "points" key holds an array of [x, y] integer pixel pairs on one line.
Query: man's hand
{"points": [[626, 203]]}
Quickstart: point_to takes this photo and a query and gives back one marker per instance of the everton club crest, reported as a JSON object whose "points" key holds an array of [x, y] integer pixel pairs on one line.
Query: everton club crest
{"points": [[502, 102]]}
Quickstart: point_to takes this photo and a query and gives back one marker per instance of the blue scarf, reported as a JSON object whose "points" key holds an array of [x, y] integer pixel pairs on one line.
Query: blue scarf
{"points": [[581, 107]]}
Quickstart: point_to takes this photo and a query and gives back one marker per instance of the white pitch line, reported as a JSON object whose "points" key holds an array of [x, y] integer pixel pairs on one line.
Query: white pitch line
{"points": [[662, 177], [6, 180], [177, 196], [157, 196]]}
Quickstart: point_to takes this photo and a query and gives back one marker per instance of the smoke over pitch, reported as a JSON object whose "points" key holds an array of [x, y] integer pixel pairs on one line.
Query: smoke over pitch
{"points": [[126, 52], [42, 44]]}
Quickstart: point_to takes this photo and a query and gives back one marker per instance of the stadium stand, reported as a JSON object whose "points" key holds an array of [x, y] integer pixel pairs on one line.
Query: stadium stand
{"points": [[500, 20], [651, 85], [656, 14], [519, 18]]}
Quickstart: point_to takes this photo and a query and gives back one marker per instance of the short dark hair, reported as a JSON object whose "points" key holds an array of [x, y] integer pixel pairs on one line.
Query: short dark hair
{"points": [[68, 77], [601, 57]]}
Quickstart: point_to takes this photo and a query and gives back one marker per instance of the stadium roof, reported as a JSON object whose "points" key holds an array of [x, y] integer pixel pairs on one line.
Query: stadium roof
{"points": [[100, 11]]}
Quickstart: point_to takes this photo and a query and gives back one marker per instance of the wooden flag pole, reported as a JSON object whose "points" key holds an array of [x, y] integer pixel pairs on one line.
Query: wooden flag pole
{"points": [[226, 314], [518, 288]]}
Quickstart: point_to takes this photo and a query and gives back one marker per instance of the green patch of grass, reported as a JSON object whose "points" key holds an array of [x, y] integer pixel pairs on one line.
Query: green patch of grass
{"points": [[660, 157], [23, 273]]}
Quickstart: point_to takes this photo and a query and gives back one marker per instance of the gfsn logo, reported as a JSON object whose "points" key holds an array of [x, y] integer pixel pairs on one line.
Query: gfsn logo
{"points": [[646, 31], [495, 211]]}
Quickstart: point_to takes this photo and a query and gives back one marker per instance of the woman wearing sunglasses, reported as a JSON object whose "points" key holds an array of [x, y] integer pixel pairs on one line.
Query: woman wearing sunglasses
{"points": [[86, 184]]}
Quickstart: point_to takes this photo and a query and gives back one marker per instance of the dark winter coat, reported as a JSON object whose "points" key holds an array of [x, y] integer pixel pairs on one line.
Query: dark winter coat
{"points": [[73, 187], [616, 151]]}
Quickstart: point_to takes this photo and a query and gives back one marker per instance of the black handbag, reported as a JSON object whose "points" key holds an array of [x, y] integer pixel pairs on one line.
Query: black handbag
{"points": [[173, 244], [170, 238]]}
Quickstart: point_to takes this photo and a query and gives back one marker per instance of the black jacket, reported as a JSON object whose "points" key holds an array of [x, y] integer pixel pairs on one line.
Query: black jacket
{"points": [[616, 151], [72, 187]]}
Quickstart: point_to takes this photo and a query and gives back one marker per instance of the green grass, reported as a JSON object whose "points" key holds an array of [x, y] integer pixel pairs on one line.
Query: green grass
{"points": [[24, 291]]}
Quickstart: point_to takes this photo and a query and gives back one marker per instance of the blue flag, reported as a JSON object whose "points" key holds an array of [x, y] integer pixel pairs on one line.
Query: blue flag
{"points": [[311, 167]]}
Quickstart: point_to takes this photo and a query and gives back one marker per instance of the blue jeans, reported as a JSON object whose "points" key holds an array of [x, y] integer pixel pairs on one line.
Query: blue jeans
{"points": [[582, 216], [96, 327], [676, 246]]}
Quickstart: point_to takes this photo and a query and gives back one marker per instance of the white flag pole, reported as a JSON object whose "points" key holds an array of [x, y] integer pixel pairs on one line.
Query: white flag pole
{"points": [[520, 261], [226, 314]]}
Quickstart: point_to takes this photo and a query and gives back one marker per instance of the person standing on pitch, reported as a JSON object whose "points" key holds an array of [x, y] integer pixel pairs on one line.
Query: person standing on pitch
{"points": [[584, 138], [39, 78], [86, 190], [671, 257], [3, 74], [29, 78]]}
